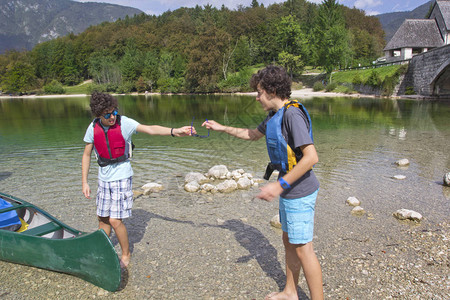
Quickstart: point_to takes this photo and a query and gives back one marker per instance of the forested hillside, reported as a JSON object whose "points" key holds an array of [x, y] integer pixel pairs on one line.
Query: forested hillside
{"points": [[200, 50]]}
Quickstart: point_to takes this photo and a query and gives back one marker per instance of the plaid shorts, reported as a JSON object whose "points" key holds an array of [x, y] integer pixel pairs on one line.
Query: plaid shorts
{"points": [[115, 198]]}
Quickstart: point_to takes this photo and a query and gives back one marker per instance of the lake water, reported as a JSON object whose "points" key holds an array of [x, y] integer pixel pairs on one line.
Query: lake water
{"points": [[358, 141]]}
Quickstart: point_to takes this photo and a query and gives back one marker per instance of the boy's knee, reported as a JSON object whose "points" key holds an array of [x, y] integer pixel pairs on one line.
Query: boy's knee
{"points": [[115, 222]]}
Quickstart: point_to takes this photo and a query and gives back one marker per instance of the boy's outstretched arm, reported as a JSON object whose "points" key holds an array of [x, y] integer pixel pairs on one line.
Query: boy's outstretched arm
{"points": [[161, 130], [85, 164], [242, 133]]}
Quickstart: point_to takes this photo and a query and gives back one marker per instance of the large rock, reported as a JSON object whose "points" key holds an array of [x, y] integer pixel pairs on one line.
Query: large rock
{"points": [[227, 186], [244, 183], [405, 214], [195, 176], [208, 188], [447, 179], [192, 187], [236, 174], [219, 172], [152, 187]]}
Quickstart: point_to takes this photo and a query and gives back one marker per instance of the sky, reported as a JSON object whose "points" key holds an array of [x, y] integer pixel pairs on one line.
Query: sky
{"points": [[157, 7]]}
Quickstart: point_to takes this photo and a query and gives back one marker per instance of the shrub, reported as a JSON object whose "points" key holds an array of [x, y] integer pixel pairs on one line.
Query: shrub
{"points": [[331, 87], [374, 79], [54, 87], [318, 86], [357, 80], [236, 82], [389, 84]]}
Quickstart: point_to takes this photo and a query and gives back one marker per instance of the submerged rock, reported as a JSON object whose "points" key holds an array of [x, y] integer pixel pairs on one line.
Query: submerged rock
{"points": [[405, 214], [352, 201], [195, 176], [358, 210], [402, 162], [152, 187]]}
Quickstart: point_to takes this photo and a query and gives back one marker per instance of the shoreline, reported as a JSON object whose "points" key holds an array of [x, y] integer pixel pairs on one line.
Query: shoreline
{"points": [[305, 93]]}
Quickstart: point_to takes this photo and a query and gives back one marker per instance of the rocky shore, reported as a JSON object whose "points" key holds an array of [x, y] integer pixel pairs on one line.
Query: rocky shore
{"points": [[192, 245]]}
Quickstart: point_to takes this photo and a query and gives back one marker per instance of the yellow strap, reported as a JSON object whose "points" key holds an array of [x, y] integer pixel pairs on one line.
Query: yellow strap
{"points": [[23, 227]]}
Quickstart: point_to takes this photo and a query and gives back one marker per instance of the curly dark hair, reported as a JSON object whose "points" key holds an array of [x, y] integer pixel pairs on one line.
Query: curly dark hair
{"points": [[100, 102], [273, 79]]}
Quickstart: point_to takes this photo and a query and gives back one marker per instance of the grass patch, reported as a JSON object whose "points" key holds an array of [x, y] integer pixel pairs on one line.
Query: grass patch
{"points": [[83, 88], [364, 75]]}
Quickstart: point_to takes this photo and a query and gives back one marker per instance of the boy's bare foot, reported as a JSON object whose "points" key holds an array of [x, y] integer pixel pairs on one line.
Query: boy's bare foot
{"points": [[125, 261], [280, 296]]}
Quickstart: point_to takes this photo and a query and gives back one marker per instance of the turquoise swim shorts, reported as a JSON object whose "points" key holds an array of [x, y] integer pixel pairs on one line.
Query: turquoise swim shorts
{"points": [[297, 218]]}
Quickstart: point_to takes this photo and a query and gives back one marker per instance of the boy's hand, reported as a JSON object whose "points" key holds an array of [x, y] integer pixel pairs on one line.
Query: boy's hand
{"points": [[184, 131], [86, 190], [211, 124], [270, 191]]}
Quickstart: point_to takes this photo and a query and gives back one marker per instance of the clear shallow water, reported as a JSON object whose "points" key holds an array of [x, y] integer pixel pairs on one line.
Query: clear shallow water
{"points": [[358, 141]]}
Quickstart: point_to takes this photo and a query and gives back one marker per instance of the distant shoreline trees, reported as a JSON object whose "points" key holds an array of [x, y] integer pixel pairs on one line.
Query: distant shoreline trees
{"points": [[198, 50]]}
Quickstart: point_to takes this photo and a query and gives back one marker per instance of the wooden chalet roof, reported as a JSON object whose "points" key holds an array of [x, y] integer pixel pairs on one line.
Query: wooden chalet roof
{"points": [[416, 33]]}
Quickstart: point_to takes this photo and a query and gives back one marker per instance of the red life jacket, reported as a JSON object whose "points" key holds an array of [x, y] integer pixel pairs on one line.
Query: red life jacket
{"points": [[110, 146]]}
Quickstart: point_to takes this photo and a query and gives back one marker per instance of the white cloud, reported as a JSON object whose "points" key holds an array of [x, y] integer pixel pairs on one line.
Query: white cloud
{"points": [[364, 4], [372, 13]]}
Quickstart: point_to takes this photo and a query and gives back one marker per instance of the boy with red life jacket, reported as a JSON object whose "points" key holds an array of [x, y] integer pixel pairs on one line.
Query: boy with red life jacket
{"points": [[109, 136], [288, 132]]}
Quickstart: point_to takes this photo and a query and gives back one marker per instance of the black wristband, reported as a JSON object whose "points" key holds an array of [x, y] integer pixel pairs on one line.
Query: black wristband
{"points": [[171, 132]]}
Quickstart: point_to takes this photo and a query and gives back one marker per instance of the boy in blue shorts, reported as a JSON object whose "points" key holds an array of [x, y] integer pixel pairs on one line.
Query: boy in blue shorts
{"points": [[291, 150], [109, 136]]}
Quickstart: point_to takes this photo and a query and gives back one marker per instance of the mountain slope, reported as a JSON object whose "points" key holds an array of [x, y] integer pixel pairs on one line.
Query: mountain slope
{"points": [[24, 23], [392, 21]]}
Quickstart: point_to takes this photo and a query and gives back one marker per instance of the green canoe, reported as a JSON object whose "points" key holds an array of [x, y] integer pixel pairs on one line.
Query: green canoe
{"points": [[49, 244]]}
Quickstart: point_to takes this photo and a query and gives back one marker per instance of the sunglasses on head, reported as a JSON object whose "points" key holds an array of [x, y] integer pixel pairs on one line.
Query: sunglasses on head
{"points": [[108, 115]]}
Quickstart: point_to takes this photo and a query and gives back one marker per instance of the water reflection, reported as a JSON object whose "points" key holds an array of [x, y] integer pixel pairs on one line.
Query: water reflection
{"points": [[41, 140]]}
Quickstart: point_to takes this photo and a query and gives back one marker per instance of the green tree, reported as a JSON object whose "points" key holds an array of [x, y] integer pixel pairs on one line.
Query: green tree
{"points": [[203, 69], [19, 77], [150, 70], [131, 63], [104, 70], [292, 63], [331, 37], [293, 43], [70, 72]]}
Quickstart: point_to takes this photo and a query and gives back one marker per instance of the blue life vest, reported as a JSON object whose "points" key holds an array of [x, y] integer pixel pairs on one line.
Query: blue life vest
{"points": [[282, 157], [10, 218]]}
